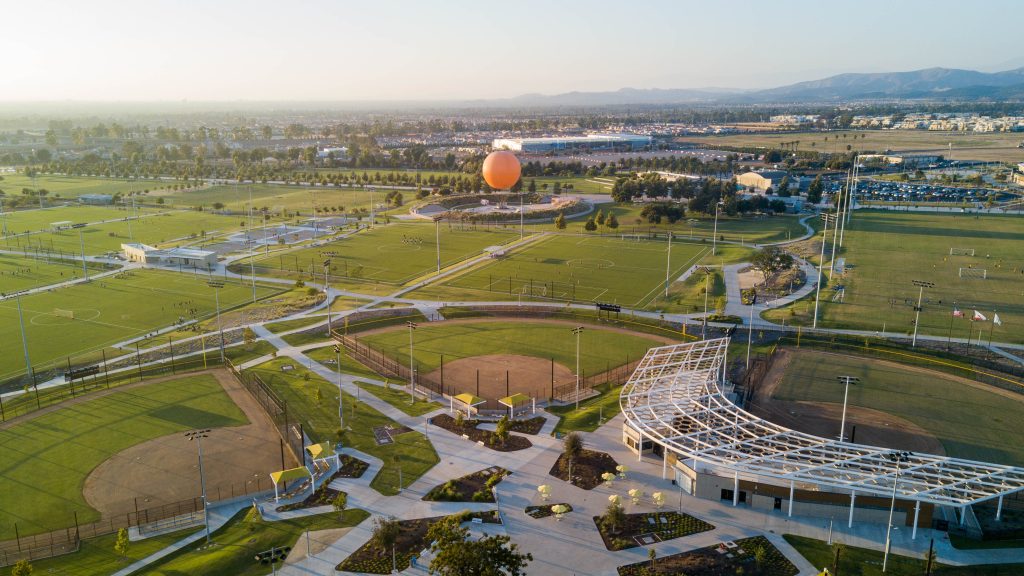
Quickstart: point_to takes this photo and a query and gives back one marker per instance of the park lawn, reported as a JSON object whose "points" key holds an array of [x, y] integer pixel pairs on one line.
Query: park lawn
{"points": [[890, 249], [995, 146], [96, 557], [856, 561], [35, 220], [242, 353], [588, 268], [399, 398], [276, 197], [592, 413], [326, 356], [156, 229], [108, 311], [946, 407], [19, 273], [390, 255], [599, 349], [748, 229], [245, 535], [687, 297], [66, 187], [47, 458], [320, 422]]}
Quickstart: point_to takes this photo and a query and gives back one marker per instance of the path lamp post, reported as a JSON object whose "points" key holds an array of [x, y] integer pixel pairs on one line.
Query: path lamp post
{"points": [[750, 330], [197, 436], [81, 244], [846, 380], [921, 285], [217, 285], [821, 268], [707, 288], [437, 242], [327, 293], [714, 237], [24, 339], [412, 373], [577, 331], [668, 262], [897, 457], [341, 395]]}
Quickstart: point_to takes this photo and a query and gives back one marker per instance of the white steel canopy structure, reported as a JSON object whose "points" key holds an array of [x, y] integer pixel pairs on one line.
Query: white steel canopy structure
{"points": [[673, 399]]}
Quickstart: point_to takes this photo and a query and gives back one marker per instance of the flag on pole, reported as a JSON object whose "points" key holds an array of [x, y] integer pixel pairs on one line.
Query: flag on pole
{"points": [[996, 320], [957, 313], [978, 316]]}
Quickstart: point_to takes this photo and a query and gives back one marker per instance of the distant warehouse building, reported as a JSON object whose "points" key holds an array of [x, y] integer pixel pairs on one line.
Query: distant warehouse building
{"points": [[762, 181], [96, 199], [190, 257], [571, 143]]}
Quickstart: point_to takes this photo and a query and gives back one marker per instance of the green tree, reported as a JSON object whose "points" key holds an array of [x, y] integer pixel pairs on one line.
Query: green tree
{"points": [[455, 554], [560, 221], [556, 188], [385, 535], [22, 568], [815, 190], [339, 503], [533, 185], [590, 226], [501, 430], [614, 517], [122, 543], [600, 217], [784, 187], [612, 222], [318, 396], [770, 260]]}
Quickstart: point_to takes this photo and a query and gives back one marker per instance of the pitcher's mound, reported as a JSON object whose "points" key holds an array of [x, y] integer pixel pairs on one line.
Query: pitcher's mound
{"points": [[526, 374]]}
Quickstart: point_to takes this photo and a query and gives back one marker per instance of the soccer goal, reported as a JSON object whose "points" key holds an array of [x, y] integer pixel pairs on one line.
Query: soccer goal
{"points": [[64, 313], [974, 273], [961, 251], [631, 237]]}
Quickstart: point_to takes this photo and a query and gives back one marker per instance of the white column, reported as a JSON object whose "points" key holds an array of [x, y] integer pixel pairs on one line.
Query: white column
{"points": [[276, 497], [853, 499], [917, 511], [999, 508], [791, 488], [664, 462], [963, 515], [735, 488], [640, 447]]}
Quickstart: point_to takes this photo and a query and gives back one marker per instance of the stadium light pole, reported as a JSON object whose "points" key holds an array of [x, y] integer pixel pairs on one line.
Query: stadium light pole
{"points": [[750, 332], [846, 380], [707, 288], [921, 285], [897, 457], [577, 331], [81, 243], [341, 395], [821, 269], [24, 340], [412, 374], [714, 237], [327, 294], [835, 231], [217, 285], [437, 242], [668, 262], [252, 257], [197, 436]]}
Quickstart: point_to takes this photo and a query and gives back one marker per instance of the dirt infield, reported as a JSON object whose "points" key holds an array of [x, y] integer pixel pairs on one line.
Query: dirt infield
{"points": [[526, 374], [874, 428], [166, 469]]}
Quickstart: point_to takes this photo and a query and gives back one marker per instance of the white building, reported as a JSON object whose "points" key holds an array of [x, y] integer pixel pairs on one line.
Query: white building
{"points": [[588, 142], [190, 257]]}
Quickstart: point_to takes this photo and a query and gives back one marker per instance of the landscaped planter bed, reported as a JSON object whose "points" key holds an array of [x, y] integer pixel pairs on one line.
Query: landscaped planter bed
{"points": [[474, 434], [720, 560], [650, 527], [475, 487], [586, 470]]}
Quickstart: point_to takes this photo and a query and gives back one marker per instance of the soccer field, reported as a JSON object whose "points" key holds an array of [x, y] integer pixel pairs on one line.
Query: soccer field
{"points": [[20, 273], [589, 268], [107, 311], [972, 420], [171, 228], [34, 220], [47, 459], [63, 187], [277, 197], [392, 254]]}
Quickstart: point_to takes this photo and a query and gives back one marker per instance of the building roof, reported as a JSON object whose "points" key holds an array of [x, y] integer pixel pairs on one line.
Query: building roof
{"points": [[320, 451], [291, 474], [673, 398], [469, 399], [515, 399]]}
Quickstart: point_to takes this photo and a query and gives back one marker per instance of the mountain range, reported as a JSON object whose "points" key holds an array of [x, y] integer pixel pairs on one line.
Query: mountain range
{"points": [[927, 84]]}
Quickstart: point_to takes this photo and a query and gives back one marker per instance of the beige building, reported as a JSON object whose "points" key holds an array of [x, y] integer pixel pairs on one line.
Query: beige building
{"points": [[190, 257], [762, 181]]}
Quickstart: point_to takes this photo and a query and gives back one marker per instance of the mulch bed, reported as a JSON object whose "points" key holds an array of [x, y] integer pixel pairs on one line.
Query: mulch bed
{"points": [[586, 470], [412, 539], [720, 560], [545, 510], [351, 467], [650, 527], [469, 429], [531, 426], [469, 488]]}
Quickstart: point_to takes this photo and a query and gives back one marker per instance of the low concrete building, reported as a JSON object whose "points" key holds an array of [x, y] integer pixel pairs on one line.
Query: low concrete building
{"points": [[190, 257], [762, 181]]}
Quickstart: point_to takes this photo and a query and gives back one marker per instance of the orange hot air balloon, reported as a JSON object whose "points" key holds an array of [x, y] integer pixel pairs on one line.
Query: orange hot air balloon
{"points": [[501, 170]]}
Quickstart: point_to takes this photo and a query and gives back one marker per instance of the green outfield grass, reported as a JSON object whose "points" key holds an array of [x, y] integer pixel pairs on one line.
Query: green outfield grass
{"points": [[592, 413], [972, 422], [63, 187], [756, 229], [21, 273], [588, 268], [329, 358], [320, 422], [390, 255], [169, 228], [35, 220], [238, 541], [47, 459], [107, 311], [400, 399], [277, 197], [599, 349], [888, 250]]}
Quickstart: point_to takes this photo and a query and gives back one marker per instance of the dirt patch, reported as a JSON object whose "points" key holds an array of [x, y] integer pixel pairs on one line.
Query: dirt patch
{"points": [[469, 429], [749, 278], [318, 542], [166, 469], [586, 470], [526, 374], [874, 428]]}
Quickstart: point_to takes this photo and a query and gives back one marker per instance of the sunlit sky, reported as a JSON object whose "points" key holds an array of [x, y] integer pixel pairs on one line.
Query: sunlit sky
{"points": [[324, 50]]}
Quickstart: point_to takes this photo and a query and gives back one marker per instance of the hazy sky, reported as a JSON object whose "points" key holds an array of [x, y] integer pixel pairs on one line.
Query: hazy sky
{"points": [[441, 49]]}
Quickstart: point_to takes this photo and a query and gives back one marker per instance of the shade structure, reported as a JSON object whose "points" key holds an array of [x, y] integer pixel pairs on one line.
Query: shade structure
{"points": [[321, 451], [290, 474], [514, 400], [469, 399]]}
